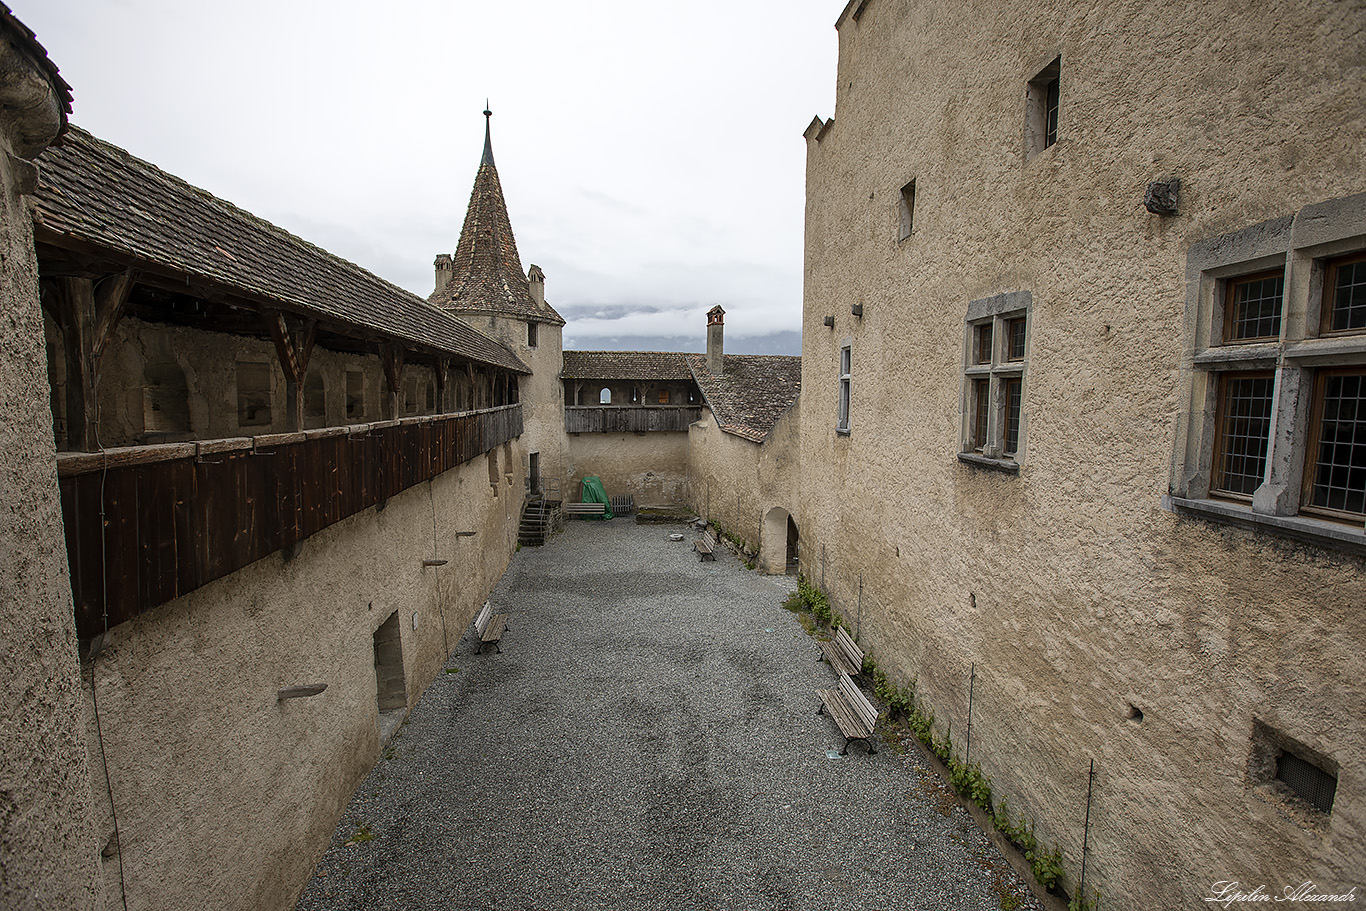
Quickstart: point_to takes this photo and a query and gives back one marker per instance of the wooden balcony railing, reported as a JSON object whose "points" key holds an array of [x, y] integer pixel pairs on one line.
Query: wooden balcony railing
{"points": [[145, 524], [630, 418]]}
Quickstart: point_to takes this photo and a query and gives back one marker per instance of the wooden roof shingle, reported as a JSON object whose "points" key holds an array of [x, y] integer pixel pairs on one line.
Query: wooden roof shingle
{"points": [[94, 192], [753, 393], [626, 365]]}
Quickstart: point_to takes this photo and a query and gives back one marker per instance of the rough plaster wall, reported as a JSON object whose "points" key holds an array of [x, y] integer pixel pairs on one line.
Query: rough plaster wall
{"points": [[209, 361], [652, 467], [227, 797], [1068, 587], [47, 840], [542, 393], [737, 482]]}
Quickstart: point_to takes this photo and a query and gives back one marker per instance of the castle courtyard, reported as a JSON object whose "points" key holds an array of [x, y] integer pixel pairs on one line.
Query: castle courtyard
{"points": [[647, 738]]}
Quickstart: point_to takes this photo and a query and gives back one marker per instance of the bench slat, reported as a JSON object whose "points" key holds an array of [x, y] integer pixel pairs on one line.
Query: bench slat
{"points": [[858, 702], [838, 660], [852, 652]]}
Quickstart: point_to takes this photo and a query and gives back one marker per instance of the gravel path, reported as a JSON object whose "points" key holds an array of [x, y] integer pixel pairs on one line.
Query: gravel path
{"points": [[647, 738]]}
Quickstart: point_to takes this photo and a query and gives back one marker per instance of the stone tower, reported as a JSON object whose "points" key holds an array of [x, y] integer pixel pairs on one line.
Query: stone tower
{"points": [[483, 284]]}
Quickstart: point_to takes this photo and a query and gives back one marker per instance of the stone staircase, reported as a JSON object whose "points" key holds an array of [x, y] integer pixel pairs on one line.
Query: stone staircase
{"points": [[541, 518]]}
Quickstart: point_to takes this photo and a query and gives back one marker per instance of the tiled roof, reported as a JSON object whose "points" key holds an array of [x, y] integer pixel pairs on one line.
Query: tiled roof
{"points": [[626, 365], [752, 394], [92, 191], [486, 270]]}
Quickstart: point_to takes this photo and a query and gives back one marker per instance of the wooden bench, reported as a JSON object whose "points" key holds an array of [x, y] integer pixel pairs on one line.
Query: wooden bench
{"points": [[585, 509], [843, 653], [852, 711], [490, 627], [703, 550]]}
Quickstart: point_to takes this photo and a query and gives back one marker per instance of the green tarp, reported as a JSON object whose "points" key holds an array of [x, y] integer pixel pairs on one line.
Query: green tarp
{"points": [[593, 492]]}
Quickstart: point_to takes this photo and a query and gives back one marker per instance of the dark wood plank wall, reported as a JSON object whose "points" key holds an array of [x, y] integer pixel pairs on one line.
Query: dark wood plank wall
{"points": [[629, 418], [141, 534]]}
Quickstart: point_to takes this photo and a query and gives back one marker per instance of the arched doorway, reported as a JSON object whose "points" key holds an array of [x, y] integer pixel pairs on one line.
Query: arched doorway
{"points": [[778, 542]]}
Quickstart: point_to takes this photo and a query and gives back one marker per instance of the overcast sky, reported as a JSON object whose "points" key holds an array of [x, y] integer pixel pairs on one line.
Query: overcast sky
{"points": [[650, 150]]}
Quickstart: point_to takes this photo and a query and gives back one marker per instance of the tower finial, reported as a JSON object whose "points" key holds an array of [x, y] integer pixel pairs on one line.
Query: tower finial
{"points": [[488, 139]]}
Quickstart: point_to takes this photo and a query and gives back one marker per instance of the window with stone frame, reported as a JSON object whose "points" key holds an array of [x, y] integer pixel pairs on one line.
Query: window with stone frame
{"points": [[994, 360], [1275, 435]]}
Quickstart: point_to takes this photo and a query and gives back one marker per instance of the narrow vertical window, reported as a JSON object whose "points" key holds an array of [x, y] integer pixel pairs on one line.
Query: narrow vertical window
{"points": [[531, 334], [981, 410], [846, 364], [1013, 389], [605, 396], [1244, 422], [906, 211], [1042, 107]]}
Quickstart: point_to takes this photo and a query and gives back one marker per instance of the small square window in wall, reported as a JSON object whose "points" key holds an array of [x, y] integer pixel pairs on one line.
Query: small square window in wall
{"points": [[845, 377], [906, 211], [663, 396], [1303, 779], [1042, 103]]}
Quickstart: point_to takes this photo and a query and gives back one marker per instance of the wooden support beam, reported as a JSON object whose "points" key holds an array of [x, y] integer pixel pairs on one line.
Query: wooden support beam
{"points": [[294, 346], [88, 313], [391, 354], [441, 366]]}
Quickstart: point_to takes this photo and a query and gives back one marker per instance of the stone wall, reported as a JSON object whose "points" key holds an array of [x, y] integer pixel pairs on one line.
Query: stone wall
{"points": [[226, 796], [47, 840], [1099, 625], [749, 488], [652, 467], [206, 367], [542, 393]]}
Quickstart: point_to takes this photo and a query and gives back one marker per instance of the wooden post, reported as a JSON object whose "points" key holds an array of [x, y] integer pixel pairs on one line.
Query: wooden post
{"points": [[442, 367], [391, 353], [88, 312], [294, 346]]}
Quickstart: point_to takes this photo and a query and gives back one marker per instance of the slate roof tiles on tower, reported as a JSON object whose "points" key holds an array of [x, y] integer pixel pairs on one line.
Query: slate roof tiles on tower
{"points": [[486, 270]]}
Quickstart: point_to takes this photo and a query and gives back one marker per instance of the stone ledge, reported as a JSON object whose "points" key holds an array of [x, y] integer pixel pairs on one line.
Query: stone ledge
{"points": [[1319, 532], [1005, 466]]}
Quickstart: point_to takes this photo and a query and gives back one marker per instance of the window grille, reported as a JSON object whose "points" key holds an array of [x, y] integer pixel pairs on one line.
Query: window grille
{"points": [[1307, 780], [1244, 432], [1346, 291], [1254, 308], [1340, 456]]}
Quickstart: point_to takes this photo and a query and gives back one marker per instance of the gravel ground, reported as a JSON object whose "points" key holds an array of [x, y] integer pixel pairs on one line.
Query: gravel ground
{"points": [[647, 738]]}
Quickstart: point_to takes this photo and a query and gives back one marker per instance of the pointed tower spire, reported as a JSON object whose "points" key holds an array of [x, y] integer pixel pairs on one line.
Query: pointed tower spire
{"points": [[485, 274], [488, 138]]}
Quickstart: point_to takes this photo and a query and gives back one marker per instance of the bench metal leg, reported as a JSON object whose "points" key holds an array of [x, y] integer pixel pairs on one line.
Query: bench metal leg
{"points": [[821, 710], [845, 751]]}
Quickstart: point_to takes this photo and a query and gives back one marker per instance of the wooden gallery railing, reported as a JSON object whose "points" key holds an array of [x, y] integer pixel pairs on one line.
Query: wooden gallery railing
{"points": [[630, 418], [145, 524]]}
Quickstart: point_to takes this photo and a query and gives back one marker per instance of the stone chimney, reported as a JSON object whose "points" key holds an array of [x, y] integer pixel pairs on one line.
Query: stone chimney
{"points": [[443, 271], [536, 279], [716, 330]]}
